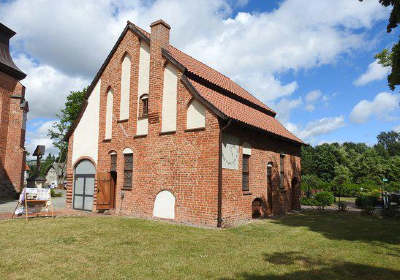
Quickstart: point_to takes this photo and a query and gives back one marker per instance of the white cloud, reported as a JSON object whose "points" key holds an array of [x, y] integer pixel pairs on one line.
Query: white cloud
{"points": [[65, 42], [46, 87], [375, 72], [39, 137], [284, 108], [313, 96], [382, 107], [316, 128], [397, 128], [75, 36]]}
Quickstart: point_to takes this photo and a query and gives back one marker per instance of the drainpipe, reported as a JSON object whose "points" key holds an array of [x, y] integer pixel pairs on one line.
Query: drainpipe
{"points": [[219, 219]]}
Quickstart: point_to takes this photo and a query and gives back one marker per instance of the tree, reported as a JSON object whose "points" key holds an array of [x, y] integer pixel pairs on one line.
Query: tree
{"points": [[50, 159], [307, 160], [325, 162], [390, 142], [75, 101], [391, 58]]}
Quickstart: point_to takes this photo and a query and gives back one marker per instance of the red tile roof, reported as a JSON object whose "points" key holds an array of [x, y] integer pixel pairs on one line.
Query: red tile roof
{"points": [[232, 108], [206, 72], [243, 113]]}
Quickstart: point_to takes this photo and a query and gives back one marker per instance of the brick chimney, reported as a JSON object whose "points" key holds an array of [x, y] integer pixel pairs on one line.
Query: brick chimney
{"points": [[159, 39]]}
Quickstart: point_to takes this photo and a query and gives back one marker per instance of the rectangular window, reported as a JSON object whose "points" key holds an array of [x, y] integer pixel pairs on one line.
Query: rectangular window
{"points": [[145, 106], [128, 170], [245, 173], [113, 166], [281, 171]]}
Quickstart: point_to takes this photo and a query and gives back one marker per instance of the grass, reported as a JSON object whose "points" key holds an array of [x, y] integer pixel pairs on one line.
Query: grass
{"points": [[313, 245]]}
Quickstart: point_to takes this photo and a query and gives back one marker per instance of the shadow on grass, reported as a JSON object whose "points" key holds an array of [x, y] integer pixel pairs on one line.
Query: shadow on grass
{"points": [[312, 268], [347, 226]]}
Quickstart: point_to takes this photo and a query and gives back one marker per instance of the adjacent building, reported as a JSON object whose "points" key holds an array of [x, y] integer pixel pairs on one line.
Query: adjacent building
{"points": [[163, 135], [13, 114], [54, 173]]}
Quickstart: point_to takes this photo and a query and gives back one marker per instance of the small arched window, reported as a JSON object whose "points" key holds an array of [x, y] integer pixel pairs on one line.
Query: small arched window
{"points": [[128, 168], [144, 105], [113, 161]]}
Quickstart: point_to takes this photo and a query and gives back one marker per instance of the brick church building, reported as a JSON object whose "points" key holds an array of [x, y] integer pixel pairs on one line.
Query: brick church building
{"points": [[13, 113], [163, 135]]}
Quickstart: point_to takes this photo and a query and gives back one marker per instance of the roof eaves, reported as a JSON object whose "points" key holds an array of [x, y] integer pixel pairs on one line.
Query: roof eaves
{"points": [[204, 101], [228, 93], [171, 59], [269, 133]]}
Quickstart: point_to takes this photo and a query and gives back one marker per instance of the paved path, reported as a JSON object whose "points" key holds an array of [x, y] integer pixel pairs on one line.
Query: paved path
{"points": [[8, 205]]}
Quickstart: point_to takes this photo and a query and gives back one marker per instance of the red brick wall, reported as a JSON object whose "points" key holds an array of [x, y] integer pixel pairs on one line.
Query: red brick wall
{"points": [[236, 204], [183, 162], [12, 137]]}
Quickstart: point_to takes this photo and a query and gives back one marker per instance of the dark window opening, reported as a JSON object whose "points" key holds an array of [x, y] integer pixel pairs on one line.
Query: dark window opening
{"points": [[144, 106], [113, 165], [128, 170], [245, 173], [282, 171]]}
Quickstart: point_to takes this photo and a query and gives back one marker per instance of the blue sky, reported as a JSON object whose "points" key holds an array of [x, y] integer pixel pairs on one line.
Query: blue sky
{"points": [[311, 61]]}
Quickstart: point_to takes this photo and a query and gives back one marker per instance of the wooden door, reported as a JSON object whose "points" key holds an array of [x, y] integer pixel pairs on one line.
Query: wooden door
{"points": [[105, 191]]}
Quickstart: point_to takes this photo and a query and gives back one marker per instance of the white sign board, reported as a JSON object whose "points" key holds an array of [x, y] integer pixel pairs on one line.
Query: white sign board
{"points": [[37, 194]]}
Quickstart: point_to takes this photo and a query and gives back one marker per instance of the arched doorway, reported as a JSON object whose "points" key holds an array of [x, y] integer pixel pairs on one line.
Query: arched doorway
{"points": [[164, 205], [295, 192], [258, 209], [84, 185]]}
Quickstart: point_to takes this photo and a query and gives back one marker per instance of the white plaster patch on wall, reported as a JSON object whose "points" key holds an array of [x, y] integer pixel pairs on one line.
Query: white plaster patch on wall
{"points": [[86, 134], [125, 86], [196, 115], [143, 84], [164, 205], [142, 126], [109, 115], [230, 152], [169, 103], [246, 149]]}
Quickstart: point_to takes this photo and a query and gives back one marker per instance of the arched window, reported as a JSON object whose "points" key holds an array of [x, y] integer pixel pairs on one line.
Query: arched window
{"points": [[144, 105], [196, 115], [125, 87], [164, 205], [113, 161], [246, 167], [281, 170], [128, 168], [109, 115]]}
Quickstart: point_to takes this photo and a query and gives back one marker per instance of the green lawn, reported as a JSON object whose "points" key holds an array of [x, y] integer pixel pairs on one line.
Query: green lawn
{"points": [[314, 245]]}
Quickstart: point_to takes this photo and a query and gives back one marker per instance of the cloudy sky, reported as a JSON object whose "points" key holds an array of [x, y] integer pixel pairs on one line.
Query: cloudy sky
{"points": [[312, 61]]}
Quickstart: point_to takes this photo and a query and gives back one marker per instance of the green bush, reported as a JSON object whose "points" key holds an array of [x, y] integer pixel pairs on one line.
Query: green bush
{"points": [[368, 201], [54, 194], [308, 201], [324, 199]]}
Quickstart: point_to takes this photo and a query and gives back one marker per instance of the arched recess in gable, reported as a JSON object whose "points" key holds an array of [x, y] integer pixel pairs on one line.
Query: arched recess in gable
{"points": [[196, 115], [125, 87]]}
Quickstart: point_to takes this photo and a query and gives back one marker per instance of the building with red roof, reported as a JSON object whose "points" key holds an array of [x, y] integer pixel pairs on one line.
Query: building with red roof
{"points": [[163, 135]]}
